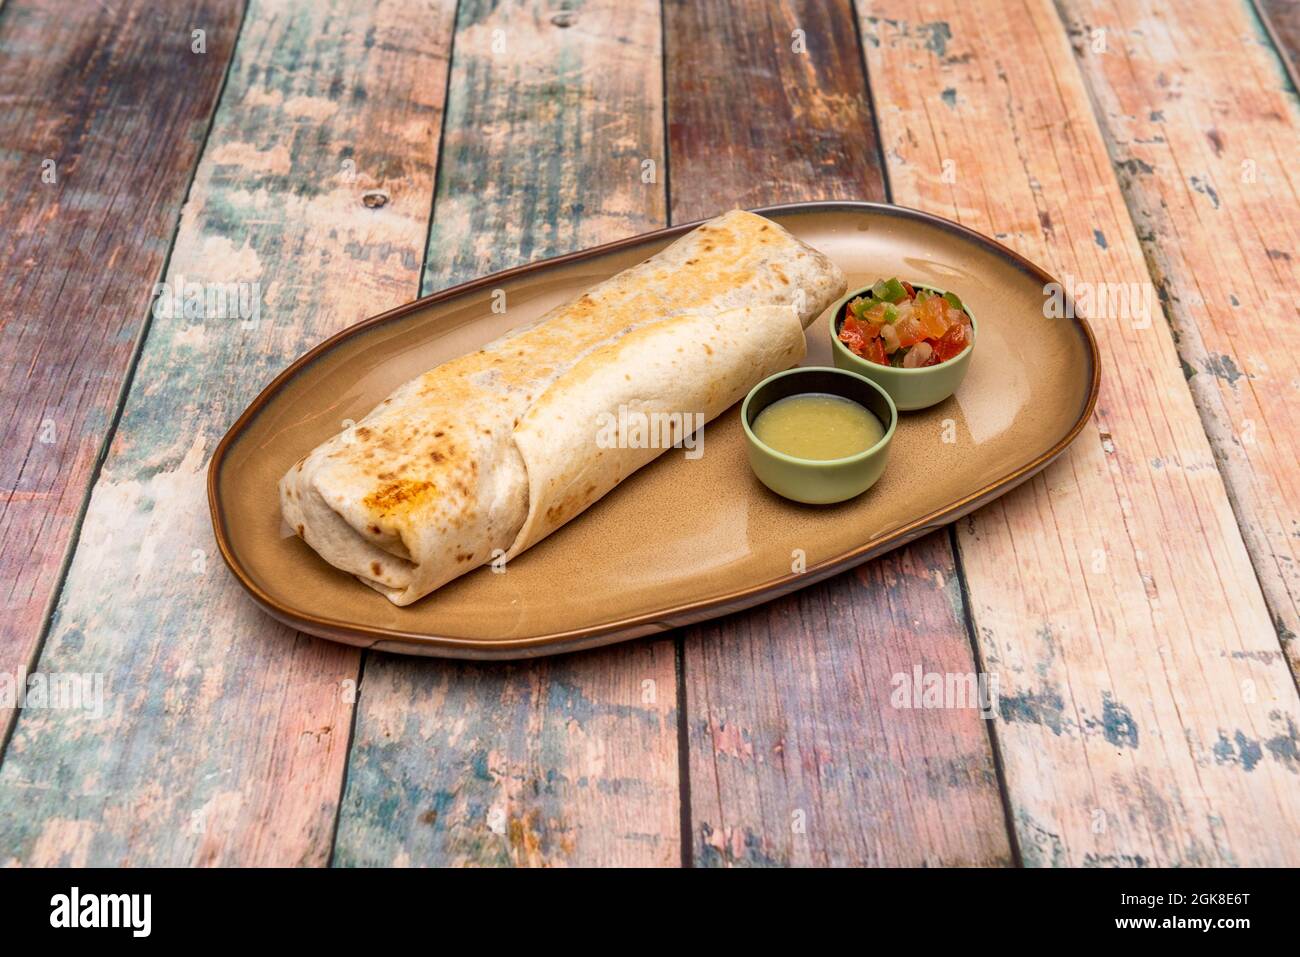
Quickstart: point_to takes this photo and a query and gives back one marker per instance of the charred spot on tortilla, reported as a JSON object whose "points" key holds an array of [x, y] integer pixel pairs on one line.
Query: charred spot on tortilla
{"points": [[397, 494]]}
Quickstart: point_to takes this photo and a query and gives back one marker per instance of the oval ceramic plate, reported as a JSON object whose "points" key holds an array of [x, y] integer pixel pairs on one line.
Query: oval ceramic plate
{"points": [[681, 540]]}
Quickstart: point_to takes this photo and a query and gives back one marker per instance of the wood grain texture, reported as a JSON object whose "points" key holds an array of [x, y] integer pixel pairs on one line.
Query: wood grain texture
{"points": [[1210, 155], [568, 760], [796, 755], [553, 119], [104, 112], [1283, 16], [769, 104], [223, 735], [1145, 714], [550, 120], [800, 754]]}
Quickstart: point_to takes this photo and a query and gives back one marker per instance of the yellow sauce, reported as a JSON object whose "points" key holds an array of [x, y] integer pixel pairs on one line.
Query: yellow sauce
{"points": [[816, 425]]}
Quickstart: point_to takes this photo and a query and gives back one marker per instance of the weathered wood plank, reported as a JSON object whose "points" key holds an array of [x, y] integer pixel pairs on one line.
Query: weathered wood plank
{"points": [[799, 756], [768, 104], [1283, 16], [1210, 160], [223, 736], [103, 111], [796, 756], [551, 119], [568, 760], [1145, 715]]}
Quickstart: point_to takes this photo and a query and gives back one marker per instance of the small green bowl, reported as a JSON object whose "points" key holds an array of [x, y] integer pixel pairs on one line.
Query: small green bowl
{"points": [[818, 481], [910, 389]]}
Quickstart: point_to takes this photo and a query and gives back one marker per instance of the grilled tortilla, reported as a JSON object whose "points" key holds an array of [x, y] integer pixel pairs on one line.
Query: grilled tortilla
{"points": [[485, 455]]}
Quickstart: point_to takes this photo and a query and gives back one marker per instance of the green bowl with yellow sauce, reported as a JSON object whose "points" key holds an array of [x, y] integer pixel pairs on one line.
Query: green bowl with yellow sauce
{"points": [[911, 389], [807, 477]]}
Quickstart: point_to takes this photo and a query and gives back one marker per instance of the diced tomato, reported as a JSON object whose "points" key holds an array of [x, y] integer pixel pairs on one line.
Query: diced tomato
{"points": [[934, 316], [953, 341], [911, 291], [863, 339], [910, 331], [876, 352], [866, 328], [855, 334], [851, 335]]}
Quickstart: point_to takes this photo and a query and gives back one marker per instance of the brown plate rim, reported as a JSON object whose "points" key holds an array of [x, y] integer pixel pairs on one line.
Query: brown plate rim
{"points": [[671, 616]]}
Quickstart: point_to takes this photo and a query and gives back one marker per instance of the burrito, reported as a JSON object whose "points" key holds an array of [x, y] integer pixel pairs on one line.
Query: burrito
{"points": [[485, 455]]}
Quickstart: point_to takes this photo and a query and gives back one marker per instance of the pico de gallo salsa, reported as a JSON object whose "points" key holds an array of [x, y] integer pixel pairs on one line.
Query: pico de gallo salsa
{"points": [[896, 324]]}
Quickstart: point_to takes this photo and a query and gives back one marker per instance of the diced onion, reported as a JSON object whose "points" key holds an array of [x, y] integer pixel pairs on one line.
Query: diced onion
{"points": [[918, 355]]}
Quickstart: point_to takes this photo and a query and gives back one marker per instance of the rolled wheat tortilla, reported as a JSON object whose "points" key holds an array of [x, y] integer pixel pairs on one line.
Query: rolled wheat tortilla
{"points": [[485, 455]]}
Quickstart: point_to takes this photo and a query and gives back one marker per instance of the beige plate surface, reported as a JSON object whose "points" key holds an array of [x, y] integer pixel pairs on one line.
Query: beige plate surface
{"points": [[681, 540]]}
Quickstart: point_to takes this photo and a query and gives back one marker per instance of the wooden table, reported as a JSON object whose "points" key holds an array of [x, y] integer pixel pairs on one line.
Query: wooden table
{"points": [[1139, 600]]}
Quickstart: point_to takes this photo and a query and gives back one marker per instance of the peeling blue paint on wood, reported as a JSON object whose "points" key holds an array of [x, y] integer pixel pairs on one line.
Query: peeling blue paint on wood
{"points": [[224, 734]]}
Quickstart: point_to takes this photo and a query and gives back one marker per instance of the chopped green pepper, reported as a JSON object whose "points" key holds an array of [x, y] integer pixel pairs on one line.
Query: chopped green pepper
{"points": [[891, 315], [952, 300], [889, 290]]}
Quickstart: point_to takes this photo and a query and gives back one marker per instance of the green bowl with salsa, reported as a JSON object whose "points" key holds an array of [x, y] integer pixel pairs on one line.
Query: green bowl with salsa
{"points": [[945, 365], [805, 445]]}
